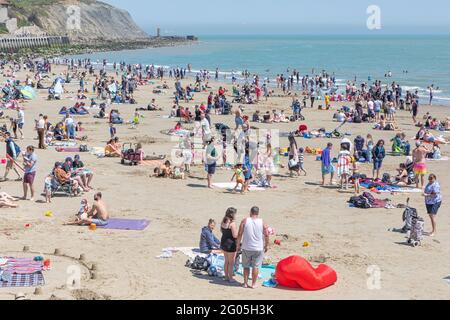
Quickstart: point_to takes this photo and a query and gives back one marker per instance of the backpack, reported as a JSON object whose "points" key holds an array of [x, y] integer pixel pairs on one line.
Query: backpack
{"points": [[83, 148], [16, 147], [357, 119]]}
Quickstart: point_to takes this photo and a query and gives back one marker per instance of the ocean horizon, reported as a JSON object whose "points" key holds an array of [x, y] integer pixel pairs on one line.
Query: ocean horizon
{"points": [[364, 57]]}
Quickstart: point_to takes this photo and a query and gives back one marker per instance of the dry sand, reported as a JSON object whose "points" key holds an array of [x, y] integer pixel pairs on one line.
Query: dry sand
{"points": [[349, 240]]}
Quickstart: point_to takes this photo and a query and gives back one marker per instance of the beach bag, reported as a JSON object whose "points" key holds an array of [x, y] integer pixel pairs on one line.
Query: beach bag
{"points": [[357, 119], [199, 263], [293, 163], [408, 215], [360, 202], [84, 148], [369, 197]]}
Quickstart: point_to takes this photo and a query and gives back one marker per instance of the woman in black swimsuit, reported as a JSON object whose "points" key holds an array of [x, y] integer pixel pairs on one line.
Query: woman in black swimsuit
{"points": [[228, 242]]}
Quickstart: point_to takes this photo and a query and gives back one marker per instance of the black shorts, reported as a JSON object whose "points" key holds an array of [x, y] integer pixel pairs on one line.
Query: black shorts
{"points": [[415, 112], [211, 168], [433, 209]]}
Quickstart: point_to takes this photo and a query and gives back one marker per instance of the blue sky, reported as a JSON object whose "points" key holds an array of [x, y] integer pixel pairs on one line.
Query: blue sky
{"points": [[287, 16]]}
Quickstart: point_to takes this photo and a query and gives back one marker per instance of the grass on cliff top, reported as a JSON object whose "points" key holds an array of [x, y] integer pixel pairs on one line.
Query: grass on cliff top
{"points": [[25, 4]]}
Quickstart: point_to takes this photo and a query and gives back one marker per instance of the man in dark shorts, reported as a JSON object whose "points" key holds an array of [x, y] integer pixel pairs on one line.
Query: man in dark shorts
{"points": [[211, 161], [30, 160]]}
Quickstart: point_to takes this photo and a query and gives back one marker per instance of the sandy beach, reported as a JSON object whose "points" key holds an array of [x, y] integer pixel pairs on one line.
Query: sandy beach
{"points": [[349, 240]]}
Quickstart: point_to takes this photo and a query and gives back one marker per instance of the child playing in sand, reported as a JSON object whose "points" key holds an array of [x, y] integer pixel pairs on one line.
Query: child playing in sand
{"points": [[48, 189], [83, 212], [238, 173]]}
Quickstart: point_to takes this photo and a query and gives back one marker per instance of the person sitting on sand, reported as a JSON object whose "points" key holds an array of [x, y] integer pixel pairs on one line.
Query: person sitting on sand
{"points": [[164, 171], [402, 176], [7, 201], [209, 243], [98, 214], [111, 149]]}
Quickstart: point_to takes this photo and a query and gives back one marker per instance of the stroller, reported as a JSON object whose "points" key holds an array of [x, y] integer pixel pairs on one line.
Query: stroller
{"points": [[416, 234], [336, 133], [130, 155]]}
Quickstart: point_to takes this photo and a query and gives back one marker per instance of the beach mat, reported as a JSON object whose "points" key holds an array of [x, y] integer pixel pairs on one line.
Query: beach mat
{"points": [[231, 185], [126, 224], [24, 280], [190, 252], [67, 149]]}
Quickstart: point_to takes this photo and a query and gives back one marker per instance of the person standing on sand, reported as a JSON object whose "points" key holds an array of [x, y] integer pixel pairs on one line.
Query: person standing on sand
{"points": [[253, 238], [327, 166], [433, 200], [12, 152], [211, 161], [419, 155], [228, 243], [414, 110], [20, 121], [30, 159], [378, 155], [40, 127]]}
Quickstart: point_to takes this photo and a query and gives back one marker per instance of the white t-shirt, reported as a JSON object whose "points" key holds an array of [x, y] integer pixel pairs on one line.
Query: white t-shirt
{"points": [[253, 238], [41, 124], [20, 116], [68, 122], [205, 127]]}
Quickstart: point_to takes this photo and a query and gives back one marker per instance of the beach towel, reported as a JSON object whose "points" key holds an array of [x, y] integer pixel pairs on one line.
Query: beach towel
{"points": [[230, 186], [190, 252], [98, 151], [24, 280], [63, 144], [265, 272], [67, 149], [126, 224], [384, 188], [21, 266]]}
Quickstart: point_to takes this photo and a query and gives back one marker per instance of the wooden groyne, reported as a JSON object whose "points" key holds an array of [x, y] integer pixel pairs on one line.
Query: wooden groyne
{"points": [[16, 43]]}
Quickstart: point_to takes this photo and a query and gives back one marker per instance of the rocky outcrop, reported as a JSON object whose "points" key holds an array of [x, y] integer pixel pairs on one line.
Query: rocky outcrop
{"points": [[83, 21]]}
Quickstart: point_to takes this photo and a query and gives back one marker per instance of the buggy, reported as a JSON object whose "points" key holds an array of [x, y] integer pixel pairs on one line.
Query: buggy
{"points": [[130, 155]]}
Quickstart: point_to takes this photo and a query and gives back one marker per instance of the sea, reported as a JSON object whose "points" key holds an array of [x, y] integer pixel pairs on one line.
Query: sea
{"points": [[415, 62]]}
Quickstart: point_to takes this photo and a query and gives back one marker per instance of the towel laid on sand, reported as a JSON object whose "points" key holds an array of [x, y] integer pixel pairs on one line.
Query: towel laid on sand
{"points": [[231, 185], [126, 224]]}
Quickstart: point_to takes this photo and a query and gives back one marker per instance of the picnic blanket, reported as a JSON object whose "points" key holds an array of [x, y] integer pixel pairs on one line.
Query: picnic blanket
{"points": [[23, 272], [24, 280], [378, 204], [126, 224], [231, 185]]}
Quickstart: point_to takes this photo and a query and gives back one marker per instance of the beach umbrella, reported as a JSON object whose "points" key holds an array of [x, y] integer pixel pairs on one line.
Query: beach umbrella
{"points": [[28, 93]]}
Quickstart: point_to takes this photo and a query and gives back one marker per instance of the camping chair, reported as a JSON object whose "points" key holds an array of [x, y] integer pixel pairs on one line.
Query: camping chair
{"points": [[65, 188]]}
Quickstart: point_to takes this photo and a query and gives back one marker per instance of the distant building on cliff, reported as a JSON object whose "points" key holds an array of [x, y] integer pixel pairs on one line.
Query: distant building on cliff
{"points": [[158, 32]]}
